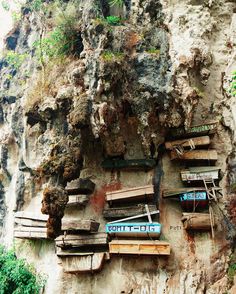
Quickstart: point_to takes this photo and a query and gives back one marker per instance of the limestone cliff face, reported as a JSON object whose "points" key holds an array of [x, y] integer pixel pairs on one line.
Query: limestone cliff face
{"points": [[168, 65]]}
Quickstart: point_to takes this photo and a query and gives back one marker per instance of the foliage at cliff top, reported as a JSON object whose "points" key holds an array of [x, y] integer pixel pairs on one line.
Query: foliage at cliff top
{"points": [[16, 276], [233, 84]]}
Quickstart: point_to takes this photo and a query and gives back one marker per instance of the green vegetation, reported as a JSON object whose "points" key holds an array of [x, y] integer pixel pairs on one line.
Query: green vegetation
{"points": [[116, 2], [109, 56], [153, 51], [16, 276], [232, 268], [5, 5], [113, 20], [15, 59], [233, 84]]}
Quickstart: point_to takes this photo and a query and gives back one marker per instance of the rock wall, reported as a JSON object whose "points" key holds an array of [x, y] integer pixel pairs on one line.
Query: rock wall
{"points": [[168, 65]]}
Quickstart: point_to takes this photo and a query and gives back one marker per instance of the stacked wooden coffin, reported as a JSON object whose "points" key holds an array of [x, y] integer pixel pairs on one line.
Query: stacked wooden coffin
{"points": [[30, 225], [130, 236], [79, 191], [200, 176], [81, 248]]}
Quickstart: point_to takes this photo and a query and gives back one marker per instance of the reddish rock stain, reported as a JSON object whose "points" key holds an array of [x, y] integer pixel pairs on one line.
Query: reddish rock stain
{"points": [[98, 199], [190, 239]]}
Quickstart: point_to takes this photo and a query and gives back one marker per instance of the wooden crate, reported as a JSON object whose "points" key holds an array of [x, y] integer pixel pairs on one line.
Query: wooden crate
{"points": [[139, 247], [137, 193], [30, 219]]}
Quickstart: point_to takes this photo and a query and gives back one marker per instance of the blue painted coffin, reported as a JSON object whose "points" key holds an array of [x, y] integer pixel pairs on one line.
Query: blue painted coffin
{"points": [[194, 200], [134, 229]]}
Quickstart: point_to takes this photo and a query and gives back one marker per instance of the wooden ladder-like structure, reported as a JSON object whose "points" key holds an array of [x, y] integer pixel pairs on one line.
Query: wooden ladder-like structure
{"points": [[211, 190]]}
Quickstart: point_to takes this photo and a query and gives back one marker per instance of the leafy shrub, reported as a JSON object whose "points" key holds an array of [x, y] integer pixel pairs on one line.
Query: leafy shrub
{"points": [[233, 84], [153, 51], [16, 276], [113, 20], [15, 59], [63, 40]]}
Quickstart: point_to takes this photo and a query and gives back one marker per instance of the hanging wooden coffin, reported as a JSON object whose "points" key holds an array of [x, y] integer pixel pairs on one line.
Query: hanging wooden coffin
{"points": [[197, 130], [197, 221], [30, 233], [77, 200], [123, 212], [188, 143], [139, 247], [194, 200], [206, 155], [132, 164], [137, 193], [80, 186], [175, 193], [30, 219], [200, 173], [79, 240], [134, 229], [79, 225], [83, 264]]}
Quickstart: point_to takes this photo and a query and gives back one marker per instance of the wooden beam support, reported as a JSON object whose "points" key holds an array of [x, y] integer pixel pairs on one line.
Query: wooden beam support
{"points": [[210, 155], [187, 143], [139, 247]]}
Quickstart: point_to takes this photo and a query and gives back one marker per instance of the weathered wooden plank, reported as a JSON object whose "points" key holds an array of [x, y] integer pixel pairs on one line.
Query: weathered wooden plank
{"points": [[122, 212], [210, 155], [200, 173], [30, 229], [175, 193], [196, 221], [80, 186], [147, 214], [30, 215], [146, 247], [186, 143], [129, 164], [83, 264], [196, 130], [137, 193], [134, 229], [79, 225], [29, 234], [30, 223], [81, 240], [77, 200]]}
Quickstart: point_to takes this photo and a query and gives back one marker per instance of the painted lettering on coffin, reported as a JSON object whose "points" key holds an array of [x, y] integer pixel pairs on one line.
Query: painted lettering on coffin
{"points": [[135, 228]]}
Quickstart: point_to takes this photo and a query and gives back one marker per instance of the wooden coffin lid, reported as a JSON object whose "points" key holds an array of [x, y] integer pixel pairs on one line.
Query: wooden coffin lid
{"points": [[79, 225], [186, 143], [210, 155], [80, 186], [178, 191]]}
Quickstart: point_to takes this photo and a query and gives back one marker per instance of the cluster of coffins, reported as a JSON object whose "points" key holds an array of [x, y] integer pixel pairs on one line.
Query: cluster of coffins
{"points": [[200, 177], [128, 234]]}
